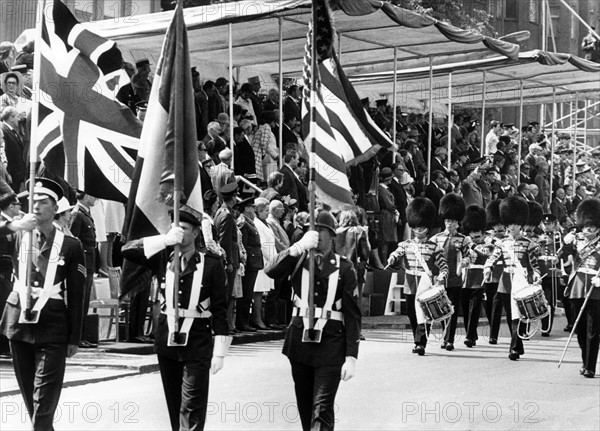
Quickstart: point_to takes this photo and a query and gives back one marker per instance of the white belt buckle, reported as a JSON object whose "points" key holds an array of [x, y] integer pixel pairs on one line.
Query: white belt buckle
{"points": [[312, 335], [177, 339], [30, 317]]}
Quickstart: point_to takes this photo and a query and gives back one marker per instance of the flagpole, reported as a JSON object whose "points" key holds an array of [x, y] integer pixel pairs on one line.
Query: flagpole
{"points": [[35, 114], [430, 125], [281, 143], [231, 142], [312, 180]]}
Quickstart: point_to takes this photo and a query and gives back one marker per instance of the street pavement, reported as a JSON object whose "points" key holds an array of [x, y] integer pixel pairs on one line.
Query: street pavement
{"points": [[476, 388]]}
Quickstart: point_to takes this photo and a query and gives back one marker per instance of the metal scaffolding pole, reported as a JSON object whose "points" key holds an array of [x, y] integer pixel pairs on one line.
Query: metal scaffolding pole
{"points": [[482, 149]]}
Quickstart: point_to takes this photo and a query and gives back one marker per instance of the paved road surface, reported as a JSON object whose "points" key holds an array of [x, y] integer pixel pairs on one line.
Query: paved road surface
{"points": [[475, 388]]}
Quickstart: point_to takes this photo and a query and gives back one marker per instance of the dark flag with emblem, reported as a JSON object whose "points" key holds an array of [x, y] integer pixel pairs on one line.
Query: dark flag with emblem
{"points": [[84, 134], [345, 134], [170, 121]]}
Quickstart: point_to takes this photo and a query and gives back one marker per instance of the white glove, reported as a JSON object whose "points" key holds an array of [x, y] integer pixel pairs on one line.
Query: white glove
{"points": [[569, 238], [596, 281], [440, 279], [393, 257], [537, 278], [349, 368], [307, 242], [487, 273], [465, 262], [216, 364], [27, 222], [174, 236]]}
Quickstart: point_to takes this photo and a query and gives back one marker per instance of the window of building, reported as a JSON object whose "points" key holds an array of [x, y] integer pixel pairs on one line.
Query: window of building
{"points": [[534, 11], [510, 9]]}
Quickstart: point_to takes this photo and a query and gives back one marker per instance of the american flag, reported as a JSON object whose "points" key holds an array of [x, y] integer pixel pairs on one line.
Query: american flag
{"points": [[84, 134], [344, 132]]}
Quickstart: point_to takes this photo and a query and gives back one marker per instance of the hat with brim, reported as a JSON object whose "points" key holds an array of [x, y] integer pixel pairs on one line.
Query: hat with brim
{"points": [[142, 62], [548, 218], [229, 189], [324, 220], [246, 203], [254, 80], [189, 215], [64, 205], [385, 174], [45, 188], [5, 76], [406, 179]]}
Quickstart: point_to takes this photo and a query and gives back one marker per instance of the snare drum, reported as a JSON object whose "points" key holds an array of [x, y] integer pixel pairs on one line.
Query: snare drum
{"points": [[435, 304], [532, 303]]}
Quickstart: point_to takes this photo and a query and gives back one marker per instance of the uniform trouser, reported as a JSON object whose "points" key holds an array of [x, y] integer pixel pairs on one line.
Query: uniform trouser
{"points": [[550, 294], [242, 309], [419, 330], [272, 303], [501, 300], [40, 371], [231, 301], [315, 389], [588, 330], [454, 297], [138, 309], [566, 303], [490, 290], [89, 282], [6, 287], [185, 384], [471, 307], [516, 342]]}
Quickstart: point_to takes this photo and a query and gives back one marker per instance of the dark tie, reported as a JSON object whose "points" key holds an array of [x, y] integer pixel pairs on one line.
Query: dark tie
{"points": [[319, 260]]}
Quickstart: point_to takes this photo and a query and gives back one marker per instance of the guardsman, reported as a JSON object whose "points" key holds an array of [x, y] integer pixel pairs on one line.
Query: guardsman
{"points": [[518, 257], [82, 227], [456, 247], [420, 258], [473, 225], [585, 280], [186, 351], [10, 207], [493, 302], [550, 242], [43, 323], [323, 355]]}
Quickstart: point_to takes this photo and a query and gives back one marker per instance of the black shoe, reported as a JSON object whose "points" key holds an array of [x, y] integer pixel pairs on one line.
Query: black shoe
{"points": [[87, 345], [246, 328], [474, 343], [449, 347], [416, 350], [513, 355], [545, 334], [420, 350], [444, 345], [521, 351], [582, 371], [469, 343], [362, 337], [493, 341], [568, 328], [589, 374]]}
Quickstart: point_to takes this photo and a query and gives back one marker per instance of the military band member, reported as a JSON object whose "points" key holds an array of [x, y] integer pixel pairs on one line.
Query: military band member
{"points": [[536, 214], [41, 340], [320, 357], [518, 257], [585, 276], [550, 243], [420, 257], [473, 225], [455, 247], [493, 302], [186, 352]]}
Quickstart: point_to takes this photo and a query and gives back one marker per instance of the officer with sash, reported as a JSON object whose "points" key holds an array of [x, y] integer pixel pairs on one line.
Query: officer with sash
{"points": [[43, 323], [321, 356], [550, 242], [187, 353], [584, 282]]}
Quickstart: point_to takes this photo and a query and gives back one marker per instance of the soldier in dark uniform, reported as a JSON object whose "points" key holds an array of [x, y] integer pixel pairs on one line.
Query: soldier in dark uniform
{"points": [[41, 341], [322, 356], [186, 356], [585, 276], [10, 206], [82, 227], [550, 242], [456, 247]]}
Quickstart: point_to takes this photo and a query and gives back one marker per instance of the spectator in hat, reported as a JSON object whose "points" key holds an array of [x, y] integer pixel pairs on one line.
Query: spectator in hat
{"points": [[223, 120], [491, 139], [291, 104], [141, 80], [257, 104], [215, 104], [7, 55], [245, 101], [389, 215]]}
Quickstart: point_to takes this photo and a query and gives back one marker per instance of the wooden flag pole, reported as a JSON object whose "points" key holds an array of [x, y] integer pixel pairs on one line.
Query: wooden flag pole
{"points": [[35, 113], [312, 180]]}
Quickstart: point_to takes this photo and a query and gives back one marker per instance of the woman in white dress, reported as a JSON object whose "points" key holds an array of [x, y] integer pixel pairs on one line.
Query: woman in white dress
{"points": [[211, 204], [267, 239]]}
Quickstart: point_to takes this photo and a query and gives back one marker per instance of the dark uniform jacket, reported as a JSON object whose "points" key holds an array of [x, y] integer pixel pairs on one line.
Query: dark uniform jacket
{"points": [[586, 266], [200, 342], [8, 249], [251, 241], [82, 227], [339, 339], [227, 230], [60, 319]]}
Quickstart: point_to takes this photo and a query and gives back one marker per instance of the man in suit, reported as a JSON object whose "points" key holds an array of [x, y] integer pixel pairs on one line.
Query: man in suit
{"points": [[82, 227], [287, 132], [400, 199], [434, 192], [186, 352], [438, 163], [126, 94], [227, 237], [243, 156], [257, 104], [323, 355], [44, 335], [274, 183], [291, 104], [10, 207], [13, 147], [292, 186], [222, 173]]}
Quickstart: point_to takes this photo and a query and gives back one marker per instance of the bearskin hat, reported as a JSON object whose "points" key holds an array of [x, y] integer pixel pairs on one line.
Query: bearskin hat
{"points": [[452, 207], [514, 210], [588, 213], [536, 213], [474, 220], [420, 212], [492, 213]]}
